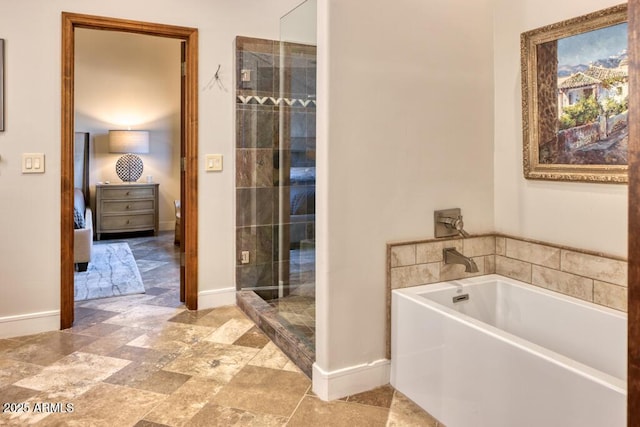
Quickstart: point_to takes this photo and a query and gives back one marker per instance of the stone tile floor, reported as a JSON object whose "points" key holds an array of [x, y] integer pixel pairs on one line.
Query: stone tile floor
{"points": [[144, 360]]}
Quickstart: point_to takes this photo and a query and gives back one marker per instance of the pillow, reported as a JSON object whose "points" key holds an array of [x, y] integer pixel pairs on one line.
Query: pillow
{"points": [[78, 219], [78, 209]]}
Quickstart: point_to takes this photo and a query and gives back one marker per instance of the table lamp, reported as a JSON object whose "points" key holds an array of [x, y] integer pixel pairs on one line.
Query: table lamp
{"points": [[131, 142]]}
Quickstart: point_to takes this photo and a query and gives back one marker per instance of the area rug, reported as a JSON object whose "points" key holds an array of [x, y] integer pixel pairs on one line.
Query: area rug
{"points": [[111, 272]]}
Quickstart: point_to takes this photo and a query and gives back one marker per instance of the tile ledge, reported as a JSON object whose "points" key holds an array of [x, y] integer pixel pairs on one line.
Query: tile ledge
{"points": [[394, 243]]}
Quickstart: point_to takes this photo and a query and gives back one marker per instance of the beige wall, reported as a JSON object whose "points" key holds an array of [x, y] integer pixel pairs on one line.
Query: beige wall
{"points": [[123, 81], [581, 215], [420, 109], [29, 212], [405, 127]]}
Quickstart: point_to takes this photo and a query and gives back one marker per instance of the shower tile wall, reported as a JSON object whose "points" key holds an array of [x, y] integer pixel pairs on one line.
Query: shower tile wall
{"points": [[260, 158]]}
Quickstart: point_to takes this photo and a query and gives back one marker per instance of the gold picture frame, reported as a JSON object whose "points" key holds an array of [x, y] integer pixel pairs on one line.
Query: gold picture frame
{"points": [[573, 107]]}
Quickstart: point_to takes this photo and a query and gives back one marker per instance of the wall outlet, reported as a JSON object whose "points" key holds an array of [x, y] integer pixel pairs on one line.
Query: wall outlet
{"points": [[244, 257]]}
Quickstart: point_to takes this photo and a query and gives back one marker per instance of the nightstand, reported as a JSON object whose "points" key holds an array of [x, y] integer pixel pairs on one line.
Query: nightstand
{"points": [[126, 207]]}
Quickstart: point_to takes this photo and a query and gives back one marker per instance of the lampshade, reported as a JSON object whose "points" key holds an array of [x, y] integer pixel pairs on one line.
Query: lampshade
{"points": [[129, 167], [129, 141]]}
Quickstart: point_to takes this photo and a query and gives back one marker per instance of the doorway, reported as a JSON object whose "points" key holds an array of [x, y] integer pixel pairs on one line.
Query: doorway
{"points": [[188, 150]]}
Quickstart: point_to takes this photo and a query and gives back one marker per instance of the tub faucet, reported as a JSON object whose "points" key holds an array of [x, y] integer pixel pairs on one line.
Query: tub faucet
{"points": [[452, 256], [448, 223]]}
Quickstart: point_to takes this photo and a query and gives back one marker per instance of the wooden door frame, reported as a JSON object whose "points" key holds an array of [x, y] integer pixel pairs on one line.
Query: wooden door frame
{"points": [[189, 111]]}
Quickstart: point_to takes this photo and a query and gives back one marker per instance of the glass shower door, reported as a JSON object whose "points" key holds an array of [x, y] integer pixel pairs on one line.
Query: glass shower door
{"points": [[297, 172], [276, 172]]}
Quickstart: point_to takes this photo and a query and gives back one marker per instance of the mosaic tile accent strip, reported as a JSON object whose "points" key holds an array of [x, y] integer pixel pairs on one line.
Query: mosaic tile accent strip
{"points": [[271, 101]]}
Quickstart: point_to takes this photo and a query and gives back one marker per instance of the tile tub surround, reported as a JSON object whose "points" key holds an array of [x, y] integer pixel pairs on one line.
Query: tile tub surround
{"points": [[589, 276]]}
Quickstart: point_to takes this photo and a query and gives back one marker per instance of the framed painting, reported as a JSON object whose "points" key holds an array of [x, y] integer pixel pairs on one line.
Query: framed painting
{"points": [[575, 91]]}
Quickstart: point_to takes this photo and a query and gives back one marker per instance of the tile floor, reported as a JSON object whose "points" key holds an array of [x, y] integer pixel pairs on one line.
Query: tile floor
{"points": [[144, 360]]}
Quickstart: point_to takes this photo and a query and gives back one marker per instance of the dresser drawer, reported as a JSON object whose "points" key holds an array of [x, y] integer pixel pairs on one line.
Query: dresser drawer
{"points": [[124, 208], [113, 206], [125, 222], [128, 193]]}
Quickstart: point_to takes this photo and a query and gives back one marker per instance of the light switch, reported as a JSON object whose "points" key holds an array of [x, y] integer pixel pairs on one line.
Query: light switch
{"points": [[33, 163], [213, 162]]}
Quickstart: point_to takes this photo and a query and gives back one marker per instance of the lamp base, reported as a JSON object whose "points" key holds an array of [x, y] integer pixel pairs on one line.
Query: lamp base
{"points": [[129, 168]]}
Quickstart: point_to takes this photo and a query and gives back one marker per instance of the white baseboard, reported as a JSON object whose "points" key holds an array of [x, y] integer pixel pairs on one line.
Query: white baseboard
{"points": [[216, 298], [351, 380], [27, 324]]}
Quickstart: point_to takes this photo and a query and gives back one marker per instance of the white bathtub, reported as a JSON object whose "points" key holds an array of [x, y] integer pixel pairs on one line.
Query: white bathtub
{"points": [[510, 355]]}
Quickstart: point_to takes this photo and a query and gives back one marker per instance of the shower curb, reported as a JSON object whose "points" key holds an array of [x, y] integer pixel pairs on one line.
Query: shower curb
{"points": [[265, 317]]}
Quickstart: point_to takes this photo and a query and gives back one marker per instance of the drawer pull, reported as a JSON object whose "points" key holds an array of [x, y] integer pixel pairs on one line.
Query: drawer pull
{"points": [[128, 192], [128, 221], [128, 206]]}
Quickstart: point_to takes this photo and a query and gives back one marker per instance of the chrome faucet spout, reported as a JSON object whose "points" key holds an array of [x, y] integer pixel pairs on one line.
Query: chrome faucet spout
{"points": [[452, 256]]}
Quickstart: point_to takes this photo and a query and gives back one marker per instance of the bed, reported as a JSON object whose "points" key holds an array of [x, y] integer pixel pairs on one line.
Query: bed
{"points": [[302, 199]]}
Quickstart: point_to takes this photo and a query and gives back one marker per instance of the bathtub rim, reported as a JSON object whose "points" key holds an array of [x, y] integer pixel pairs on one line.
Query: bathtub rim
{"points": [[414, 294]]}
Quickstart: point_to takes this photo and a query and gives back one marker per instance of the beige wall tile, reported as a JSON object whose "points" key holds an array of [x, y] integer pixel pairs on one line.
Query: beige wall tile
{"points": [[432, 251], [513, 268], [501, 246], [599, 268], [610, 295], [428, 252], [534, 253], [479, 246], [569, 284], [490, 264], [403, 255], [456, 271], [413, 275]]}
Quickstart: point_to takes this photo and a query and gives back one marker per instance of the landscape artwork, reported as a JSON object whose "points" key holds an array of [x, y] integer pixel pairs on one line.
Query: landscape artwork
{"points": [[575, 87], [593, 99]]}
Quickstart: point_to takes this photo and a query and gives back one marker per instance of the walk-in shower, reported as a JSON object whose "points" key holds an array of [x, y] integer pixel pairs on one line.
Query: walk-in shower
{"points": [[276, 182]]}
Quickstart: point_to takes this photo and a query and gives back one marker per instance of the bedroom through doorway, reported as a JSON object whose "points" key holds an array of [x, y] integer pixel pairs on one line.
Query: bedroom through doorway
{"points": [[127, 100], [133, 204]]}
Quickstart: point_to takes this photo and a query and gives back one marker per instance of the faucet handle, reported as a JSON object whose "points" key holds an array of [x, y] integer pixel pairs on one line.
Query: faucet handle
{"points": [[455, 224], [458, 225], [451, 223]]}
